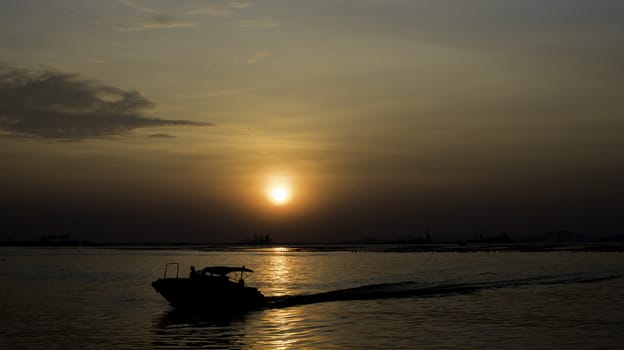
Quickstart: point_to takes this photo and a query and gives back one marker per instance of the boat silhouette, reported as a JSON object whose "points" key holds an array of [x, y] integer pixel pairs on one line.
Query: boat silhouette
{"points": [[213, 288]]}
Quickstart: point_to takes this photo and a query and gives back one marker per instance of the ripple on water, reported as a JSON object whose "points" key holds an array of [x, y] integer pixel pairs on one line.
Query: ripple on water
{"points": [[103, 300]]}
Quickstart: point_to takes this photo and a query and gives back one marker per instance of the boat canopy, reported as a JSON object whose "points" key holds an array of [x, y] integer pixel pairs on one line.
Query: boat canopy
{"points": [[224, 270]]}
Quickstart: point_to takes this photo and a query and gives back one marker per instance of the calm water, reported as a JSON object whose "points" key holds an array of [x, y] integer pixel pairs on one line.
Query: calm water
{"points": [[102, 298]]}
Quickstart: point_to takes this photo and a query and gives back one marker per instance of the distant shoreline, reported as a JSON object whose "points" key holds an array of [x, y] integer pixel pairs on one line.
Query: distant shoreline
{"points": [[450, 247]]}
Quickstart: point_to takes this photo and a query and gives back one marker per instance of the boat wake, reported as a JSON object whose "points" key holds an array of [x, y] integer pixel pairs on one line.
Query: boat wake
{"points": [[410, 289]]}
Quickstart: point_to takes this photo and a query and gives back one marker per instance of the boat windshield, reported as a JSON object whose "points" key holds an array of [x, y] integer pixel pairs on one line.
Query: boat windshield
{"points": [[240, 273]]}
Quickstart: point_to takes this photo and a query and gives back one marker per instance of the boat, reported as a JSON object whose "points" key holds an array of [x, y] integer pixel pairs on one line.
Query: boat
{"points": [[218, 288]]}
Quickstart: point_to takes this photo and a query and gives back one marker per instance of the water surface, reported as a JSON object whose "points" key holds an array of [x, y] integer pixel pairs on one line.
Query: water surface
{"points": [[102, 298]]}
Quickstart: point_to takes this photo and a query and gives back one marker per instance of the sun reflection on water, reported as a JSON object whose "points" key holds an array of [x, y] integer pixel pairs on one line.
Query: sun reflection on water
{"points": [[281, 269], [283, 329], [280, 249]]}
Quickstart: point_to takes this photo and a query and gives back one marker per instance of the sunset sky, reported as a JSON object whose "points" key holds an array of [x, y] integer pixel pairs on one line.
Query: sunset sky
{"points": [[319, 120]]}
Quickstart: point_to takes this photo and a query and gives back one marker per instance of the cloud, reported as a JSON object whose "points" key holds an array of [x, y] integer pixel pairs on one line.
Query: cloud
{"points": [[241, 4], [210, 11], [158, 21], [161, 136], [137, 7], [259, 23], [98, 61], [223, 10], [154, 25], [257, 56], [51, 104]]}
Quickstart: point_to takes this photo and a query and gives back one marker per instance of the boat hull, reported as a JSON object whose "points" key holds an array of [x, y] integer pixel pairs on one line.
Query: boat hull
{"points": [[208, 294]]}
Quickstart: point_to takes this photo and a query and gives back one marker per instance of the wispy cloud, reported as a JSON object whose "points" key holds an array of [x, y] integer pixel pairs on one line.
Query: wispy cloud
{"points": [[138, 7], [257, 56], [211, 11], [152, 25], [241, 4], [156, 19], [259, 23], [50, 104], [161, 136], [98, 61], [226, 9]]}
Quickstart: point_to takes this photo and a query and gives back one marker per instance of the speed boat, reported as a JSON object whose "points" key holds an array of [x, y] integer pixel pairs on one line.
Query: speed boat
{"points": [[219, 288]]}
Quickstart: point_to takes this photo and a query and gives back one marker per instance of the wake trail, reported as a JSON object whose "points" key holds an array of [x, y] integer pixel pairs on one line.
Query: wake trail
{"points": [[409, 289]]}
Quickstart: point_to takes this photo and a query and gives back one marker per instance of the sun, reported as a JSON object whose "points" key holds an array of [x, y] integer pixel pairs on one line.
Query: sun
{"points": [[279, 189], [279, 195]]}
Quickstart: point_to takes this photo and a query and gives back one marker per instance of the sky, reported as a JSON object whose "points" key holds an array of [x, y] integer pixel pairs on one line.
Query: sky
{"points": [[168, 121]]}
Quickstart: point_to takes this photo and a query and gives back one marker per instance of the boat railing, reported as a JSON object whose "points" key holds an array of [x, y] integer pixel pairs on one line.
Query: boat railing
{"points": [[177, 265]]}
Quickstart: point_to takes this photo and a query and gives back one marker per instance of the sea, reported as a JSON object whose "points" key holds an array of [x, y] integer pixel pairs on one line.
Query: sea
{"points": [[102, 298]]}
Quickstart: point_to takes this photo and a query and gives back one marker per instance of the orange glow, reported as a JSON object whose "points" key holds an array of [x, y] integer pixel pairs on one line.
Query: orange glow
{"points": [[279, 190], [279, 195]]}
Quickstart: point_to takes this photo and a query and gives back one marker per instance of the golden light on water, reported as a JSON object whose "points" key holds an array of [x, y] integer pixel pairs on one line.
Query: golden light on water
{"points": [[281, 267]]}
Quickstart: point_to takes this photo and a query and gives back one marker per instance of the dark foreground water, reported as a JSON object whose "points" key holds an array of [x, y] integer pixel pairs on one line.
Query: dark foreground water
{"points": [[102, 299]]}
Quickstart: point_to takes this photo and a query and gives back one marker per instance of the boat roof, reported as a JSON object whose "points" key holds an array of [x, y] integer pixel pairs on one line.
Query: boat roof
{"points": [[224, 270]]}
